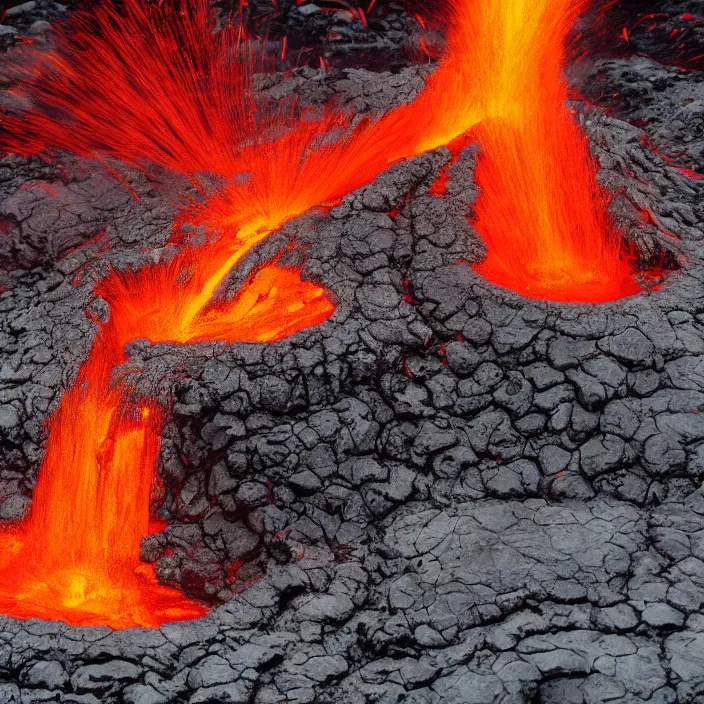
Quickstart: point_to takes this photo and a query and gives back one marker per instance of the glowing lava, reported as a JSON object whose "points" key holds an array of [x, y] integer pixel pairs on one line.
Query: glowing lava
{"points": [[76, 557], [149, 85], [541, 213]]}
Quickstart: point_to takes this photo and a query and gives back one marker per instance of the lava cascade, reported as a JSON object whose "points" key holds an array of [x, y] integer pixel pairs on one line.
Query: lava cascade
{"points": [[541, 212], [76, 557], [558, 242], [149, 85]]}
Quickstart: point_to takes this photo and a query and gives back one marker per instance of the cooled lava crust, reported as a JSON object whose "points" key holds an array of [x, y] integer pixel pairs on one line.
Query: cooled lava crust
{"points": [[446, 493]]}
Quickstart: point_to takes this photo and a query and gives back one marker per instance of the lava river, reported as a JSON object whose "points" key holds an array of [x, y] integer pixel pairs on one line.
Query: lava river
{"points": [[147, 84]]}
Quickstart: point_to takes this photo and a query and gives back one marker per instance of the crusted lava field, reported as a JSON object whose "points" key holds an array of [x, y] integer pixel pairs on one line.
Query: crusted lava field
{"points": [[445, 493]]}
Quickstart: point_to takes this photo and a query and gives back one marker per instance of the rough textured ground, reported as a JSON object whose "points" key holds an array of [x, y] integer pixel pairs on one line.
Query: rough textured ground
{"points": [[339, 33], [445, 494]]}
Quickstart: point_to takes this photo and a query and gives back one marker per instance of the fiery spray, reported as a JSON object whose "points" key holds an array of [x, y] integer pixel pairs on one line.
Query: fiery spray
{"points": [[154, 86]]}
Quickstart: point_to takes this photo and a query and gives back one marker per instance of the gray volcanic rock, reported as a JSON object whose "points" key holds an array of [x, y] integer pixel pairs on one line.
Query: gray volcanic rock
{"points": [[33, 18], [445, 493]]}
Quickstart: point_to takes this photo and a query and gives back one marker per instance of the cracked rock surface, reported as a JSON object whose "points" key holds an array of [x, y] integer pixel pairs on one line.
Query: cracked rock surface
{"points": [[446, 493]]}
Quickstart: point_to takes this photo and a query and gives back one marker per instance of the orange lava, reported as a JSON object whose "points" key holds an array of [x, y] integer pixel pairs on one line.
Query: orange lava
{"points": [[178, 95], [558, 242], [541, 212], [76, 557], [147, 85]]}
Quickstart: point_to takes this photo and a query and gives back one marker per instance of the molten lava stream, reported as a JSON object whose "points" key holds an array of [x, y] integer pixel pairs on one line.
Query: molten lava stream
{"points": [[541, 211], [76, 558]]}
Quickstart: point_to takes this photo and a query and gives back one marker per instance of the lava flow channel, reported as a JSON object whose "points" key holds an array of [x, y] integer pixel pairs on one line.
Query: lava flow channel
{"points": [[150, 84]]}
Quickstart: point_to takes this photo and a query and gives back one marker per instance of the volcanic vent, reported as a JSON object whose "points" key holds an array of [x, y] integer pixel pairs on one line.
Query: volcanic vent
{"points": [[344, 383]]}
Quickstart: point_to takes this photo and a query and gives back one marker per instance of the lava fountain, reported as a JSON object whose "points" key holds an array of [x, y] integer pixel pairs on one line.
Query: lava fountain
{"points": [[150, 84], [541, 213]]}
